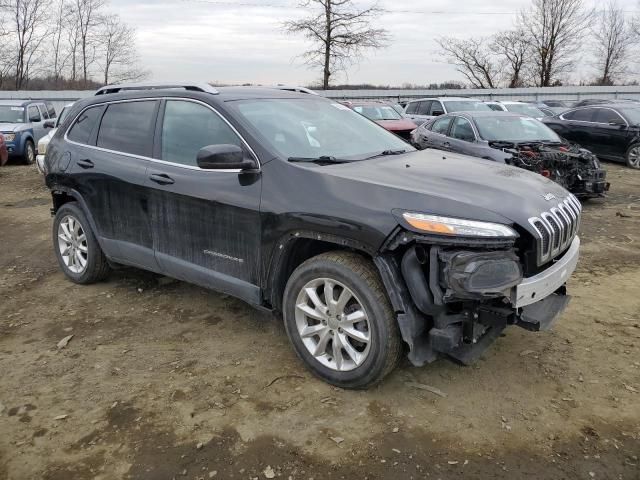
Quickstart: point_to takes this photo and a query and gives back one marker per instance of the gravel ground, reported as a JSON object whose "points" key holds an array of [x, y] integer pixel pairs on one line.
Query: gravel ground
{"points": [[164, 380]]}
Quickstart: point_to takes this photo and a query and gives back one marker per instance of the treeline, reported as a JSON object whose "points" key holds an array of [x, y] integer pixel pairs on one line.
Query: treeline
{"points": [[64, 44], [551, 43]]}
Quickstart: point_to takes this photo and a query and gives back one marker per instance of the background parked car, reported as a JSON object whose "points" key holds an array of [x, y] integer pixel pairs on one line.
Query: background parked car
{"points": [[517, 140], [516, 107], [611, 131], [4, 155], [425, 109], [44, 141], [22, 124], [386, 116]]}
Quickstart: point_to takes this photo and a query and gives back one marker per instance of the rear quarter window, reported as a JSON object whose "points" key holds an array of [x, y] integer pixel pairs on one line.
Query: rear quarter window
{"points": [[82, 128]]}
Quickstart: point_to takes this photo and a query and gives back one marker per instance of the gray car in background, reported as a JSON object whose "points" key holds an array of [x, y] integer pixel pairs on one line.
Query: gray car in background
{"points": [[425, 109], [518, 140]]}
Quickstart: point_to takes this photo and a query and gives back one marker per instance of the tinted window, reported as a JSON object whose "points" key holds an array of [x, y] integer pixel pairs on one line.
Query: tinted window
{"points": [[128, 127], [33, 114], [462, 130], [584, 115], [424, 108], [412, 107], [436, 108], [81, 130], [604, 115], [441, 125], [51, 110], [495, 107], [188, 127]]}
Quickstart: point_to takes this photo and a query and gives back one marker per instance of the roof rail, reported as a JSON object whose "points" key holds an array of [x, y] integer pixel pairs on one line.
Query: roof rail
{"points": [[195, 87]]}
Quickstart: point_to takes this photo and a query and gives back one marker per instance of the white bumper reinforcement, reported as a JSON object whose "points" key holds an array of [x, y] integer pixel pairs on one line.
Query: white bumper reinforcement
{"points": [[535, 288]]}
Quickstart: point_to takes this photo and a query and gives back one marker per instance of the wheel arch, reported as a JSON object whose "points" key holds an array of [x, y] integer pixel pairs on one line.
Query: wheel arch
{"points": [[295, 248], [62, 195]]}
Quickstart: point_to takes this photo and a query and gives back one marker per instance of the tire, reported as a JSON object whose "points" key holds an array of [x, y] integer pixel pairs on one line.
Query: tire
{"points": [[89, 265], [29, 155], [633, 156], [367, 349]]}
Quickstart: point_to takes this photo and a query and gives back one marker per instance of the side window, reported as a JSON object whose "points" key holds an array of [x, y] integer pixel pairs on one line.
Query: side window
{"points": [[128, 127], [582, 115], [33, 114], [441, 125], [462, 130], [188, 127], [81, 130], [412, 107], [424, 108], [51, 110], [495, 107], [436, 108], [606, 115], [43, 111]]}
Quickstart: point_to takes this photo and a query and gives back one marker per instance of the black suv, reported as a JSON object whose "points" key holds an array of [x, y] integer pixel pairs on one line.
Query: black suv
{"points": [[299, 205]]}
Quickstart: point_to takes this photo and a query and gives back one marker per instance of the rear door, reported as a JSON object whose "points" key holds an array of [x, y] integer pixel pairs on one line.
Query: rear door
{"points": [[578, 126], [436, 136], [609, 133], [108, 167], [206, 223]]}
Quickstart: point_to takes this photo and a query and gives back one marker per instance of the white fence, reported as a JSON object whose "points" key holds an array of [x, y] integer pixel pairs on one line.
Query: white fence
{"points": [[572, 94]]}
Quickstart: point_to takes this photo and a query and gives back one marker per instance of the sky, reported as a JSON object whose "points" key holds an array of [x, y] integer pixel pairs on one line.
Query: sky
{"points": [[243, 41]]}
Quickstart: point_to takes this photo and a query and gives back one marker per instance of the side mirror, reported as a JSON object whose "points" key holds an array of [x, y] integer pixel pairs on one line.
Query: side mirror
{"points": [[437, 113], [224, 157], [49, 124]]}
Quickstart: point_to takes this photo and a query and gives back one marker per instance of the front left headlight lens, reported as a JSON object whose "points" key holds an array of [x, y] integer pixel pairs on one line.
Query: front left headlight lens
{"points": [[457, 226], [9, 137]]}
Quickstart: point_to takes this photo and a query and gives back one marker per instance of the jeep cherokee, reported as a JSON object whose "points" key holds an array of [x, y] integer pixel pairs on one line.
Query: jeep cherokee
{"points": [[297, 204]]}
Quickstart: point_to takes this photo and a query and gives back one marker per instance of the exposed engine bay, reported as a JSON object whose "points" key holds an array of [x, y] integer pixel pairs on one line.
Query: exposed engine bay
{"points": [[576, 169]]}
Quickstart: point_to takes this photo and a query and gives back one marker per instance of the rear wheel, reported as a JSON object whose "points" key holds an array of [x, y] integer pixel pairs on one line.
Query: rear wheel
{"points": [[76, 247], [29, 153], [633, 156], [339, 320]]}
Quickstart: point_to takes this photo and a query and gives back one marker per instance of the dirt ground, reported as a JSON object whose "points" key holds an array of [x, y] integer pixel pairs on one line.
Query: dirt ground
{"points": [[164, 380]]}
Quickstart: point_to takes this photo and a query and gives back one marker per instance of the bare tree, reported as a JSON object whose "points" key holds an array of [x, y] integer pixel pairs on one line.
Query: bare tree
{"points": [[28, 27], [472, 58], [85, 15], [118, 58], [613, 40], [339, 32], [513, 50], [59, 51], [554, 28]]}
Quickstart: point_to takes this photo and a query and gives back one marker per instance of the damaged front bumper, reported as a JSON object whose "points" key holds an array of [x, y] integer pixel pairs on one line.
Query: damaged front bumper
{"points": [[457, 302]]}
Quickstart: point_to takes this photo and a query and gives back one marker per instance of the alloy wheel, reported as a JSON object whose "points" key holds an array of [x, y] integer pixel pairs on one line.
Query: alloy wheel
{"points": [[333, 324], [72, 243], [634, 157]]}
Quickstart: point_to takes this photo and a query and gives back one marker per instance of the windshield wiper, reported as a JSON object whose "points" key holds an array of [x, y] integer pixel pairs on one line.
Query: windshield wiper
{"points": [[385, 153], [323, 159]]}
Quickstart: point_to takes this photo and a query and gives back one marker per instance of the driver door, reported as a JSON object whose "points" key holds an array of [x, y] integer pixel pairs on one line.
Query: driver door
{"points": [[205, 223], [462, 137]]}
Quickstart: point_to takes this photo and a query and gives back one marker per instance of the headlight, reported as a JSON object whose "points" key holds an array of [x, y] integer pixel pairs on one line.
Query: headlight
{"points": [[457, 226], [9, 137]]}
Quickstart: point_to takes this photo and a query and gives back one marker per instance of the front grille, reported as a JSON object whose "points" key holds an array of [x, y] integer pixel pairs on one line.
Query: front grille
{"points": [[556, 228]]}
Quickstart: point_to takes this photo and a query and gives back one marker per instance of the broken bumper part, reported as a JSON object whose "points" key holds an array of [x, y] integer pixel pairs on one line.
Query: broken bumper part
{"points": [[543, 314]]}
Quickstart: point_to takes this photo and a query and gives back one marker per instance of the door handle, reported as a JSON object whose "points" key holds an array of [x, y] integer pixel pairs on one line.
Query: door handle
{"points": [[85, 163], [161, 179]]}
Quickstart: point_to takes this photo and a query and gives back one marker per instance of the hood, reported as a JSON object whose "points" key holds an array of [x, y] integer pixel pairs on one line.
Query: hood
{"points": [[11, 127], [397, 125], [432, 181]]}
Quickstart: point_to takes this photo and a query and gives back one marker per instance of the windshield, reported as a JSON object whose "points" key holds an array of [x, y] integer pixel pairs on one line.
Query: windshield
{"points": [[632, 114], [311, 128], [466, 106], [10, 114], [514, 129], [525, 109], [377, 112]]}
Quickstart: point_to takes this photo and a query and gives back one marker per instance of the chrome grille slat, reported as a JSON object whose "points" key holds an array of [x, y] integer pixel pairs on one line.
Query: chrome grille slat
{"points": [[556, 228]]}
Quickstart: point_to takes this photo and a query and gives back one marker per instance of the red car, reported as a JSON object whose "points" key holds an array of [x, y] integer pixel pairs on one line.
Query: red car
{"points": [[4, 154], [386, 116]]}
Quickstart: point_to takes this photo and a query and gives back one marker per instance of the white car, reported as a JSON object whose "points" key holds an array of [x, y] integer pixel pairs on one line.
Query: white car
{"points": [[517, 107], [425, 109], [44, 141]]}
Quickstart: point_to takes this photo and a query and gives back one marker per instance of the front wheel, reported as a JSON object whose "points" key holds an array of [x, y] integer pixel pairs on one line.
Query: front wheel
{"points": [[633, 156], [339, 320], [29, 153]]}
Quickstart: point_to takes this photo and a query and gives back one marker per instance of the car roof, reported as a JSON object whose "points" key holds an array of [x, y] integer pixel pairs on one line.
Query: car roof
{"points": [[481, 114], [608, 105], [465, 99]]}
